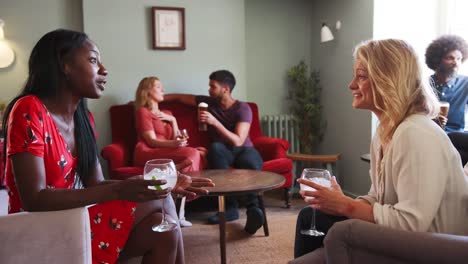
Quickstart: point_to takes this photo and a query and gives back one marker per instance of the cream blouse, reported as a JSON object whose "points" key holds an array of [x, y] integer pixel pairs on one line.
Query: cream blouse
{"points": [[421, 185]]}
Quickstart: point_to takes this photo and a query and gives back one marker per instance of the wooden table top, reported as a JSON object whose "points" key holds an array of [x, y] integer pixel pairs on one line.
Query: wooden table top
{"points": [[237, 181], [313, 157]]}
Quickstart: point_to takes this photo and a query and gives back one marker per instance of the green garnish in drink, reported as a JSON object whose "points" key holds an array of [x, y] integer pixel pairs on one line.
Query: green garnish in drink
{"points": [[158, 187]]}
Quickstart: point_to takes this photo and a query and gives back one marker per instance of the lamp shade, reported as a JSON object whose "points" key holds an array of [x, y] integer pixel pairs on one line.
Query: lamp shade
{"points": [[7, 56], [325, 33]]}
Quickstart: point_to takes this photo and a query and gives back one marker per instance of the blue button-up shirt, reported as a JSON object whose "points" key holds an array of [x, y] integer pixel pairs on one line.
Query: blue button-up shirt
{"points": [[455, 92]]}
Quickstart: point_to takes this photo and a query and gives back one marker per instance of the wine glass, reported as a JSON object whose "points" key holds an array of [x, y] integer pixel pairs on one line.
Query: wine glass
{"points": [[161, 169], [321, 177], [183, 135]]}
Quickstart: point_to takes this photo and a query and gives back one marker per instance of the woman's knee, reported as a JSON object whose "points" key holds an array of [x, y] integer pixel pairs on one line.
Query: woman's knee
{"points": [[337, 233], [194, 156], [164, 239]]}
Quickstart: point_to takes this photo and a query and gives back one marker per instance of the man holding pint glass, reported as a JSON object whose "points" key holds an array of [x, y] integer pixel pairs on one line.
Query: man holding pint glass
{"points": [[445, 56], [227, 121]]}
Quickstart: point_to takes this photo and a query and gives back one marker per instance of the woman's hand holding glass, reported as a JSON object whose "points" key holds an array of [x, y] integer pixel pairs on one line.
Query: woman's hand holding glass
{"points": [[330, 200], [320, 178], [136, 189], [182, 138], [162, 169]]}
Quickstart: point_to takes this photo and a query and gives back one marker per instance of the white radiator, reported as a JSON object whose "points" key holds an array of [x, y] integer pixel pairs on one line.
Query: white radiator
{"points": [[282, 126]]}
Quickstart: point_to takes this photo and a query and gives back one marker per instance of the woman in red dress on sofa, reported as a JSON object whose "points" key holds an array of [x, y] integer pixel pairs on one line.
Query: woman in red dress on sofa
{"points": [[51, 161], [159, 135]]}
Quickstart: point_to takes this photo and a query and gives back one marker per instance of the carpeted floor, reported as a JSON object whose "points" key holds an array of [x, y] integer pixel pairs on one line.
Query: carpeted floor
{"points": [[202, 240]]}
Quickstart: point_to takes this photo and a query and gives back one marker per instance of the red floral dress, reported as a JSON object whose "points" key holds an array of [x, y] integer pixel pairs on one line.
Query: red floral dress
{"points": [[32, 129]]}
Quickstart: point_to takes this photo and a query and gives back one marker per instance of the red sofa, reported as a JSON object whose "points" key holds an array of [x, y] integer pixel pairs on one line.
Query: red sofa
{"points": [[119, 154]]}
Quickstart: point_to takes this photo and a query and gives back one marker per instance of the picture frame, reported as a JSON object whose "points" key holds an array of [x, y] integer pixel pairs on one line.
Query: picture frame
{"points": [[168, 28]]}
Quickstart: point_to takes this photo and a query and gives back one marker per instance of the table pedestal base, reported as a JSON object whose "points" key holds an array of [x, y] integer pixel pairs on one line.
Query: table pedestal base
{"points": [[222, 223]]}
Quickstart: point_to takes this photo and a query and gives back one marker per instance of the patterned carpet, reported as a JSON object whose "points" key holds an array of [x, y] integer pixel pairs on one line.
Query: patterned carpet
{"points": [[202, 240]]}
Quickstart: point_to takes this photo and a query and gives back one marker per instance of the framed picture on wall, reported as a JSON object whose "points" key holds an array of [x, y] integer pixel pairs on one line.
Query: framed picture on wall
{"points": [[168, 28]]}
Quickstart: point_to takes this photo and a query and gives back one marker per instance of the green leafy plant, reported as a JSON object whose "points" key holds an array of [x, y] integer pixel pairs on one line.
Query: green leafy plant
{"points": [[304, 103]]}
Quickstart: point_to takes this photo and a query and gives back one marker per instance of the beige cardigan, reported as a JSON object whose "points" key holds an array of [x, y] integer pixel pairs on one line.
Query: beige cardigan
{"points": [[422, 185]]}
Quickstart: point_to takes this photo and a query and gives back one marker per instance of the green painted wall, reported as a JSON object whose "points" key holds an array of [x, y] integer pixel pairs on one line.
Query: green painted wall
{"points": [[122, 30], [281, 33], [348, 131], [25, 22], [278, 36]]}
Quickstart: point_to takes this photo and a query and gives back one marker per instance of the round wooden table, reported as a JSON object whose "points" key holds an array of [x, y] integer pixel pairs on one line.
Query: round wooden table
{"points": [[235, 182]]}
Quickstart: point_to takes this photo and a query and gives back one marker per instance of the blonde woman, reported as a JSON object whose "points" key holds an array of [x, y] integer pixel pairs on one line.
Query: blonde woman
{"points": [[418, 183], [158, 133]]}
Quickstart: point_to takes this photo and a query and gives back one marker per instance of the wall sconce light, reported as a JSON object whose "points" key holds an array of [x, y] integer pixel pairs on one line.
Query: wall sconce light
{"points": [[7, 56], [326, 34]]}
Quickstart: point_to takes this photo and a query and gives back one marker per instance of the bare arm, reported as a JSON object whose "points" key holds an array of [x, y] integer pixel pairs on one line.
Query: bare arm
{"points": [[152, 141], [146, 129], [359, 209], [171, 119], [188, 99], [236, 138], [30, 177]]}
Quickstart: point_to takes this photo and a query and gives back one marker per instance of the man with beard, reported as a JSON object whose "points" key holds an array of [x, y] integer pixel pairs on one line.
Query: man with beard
{"points": [[445, 55], [228, 123]]}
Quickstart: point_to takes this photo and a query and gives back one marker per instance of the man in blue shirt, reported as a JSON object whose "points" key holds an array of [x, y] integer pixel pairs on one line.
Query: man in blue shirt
{"points": [[445, 55]]}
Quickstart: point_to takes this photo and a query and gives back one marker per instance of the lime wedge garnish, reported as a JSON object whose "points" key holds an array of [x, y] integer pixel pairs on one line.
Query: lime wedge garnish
{"points": [[158, 187]]}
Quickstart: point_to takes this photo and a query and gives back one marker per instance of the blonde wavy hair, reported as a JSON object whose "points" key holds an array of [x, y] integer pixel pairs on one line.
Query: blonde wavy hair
{"points": [[142, 98], [399, 89]]}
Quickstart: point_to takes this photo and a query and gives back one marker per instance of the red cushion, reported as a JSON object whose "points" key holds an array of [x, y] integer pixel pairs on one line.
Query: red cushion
{"points": [[282, 166], [271, 148]]}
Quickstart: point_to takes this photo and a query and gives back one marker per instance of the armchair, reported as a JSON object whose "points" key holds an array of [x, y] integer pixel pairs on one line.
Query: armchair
{"points": [[356, 241], [119, 154], [44, 237]]}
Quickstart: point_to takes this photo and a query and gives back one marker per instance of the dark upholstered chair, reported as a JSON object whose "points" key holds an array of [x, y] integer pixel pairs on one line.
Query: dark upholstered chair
{"points": [[356, 241]]}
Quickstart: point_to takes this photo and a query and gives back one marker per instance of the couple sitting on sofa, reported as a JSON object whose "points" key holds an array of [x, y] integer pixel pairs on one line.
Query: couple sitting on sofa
{"points": [[228, 123]]}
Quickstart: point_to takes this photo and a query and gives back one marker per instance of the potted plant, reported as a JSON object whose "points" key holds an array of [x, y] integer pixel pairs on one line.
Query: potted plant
{"points": [[304, 103]]}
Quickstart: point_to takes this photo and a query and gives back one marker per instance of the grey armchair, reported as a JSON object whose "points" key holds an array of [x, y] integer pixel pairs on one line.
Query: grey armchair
{"points": [[44, 237], [356, 241]]}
